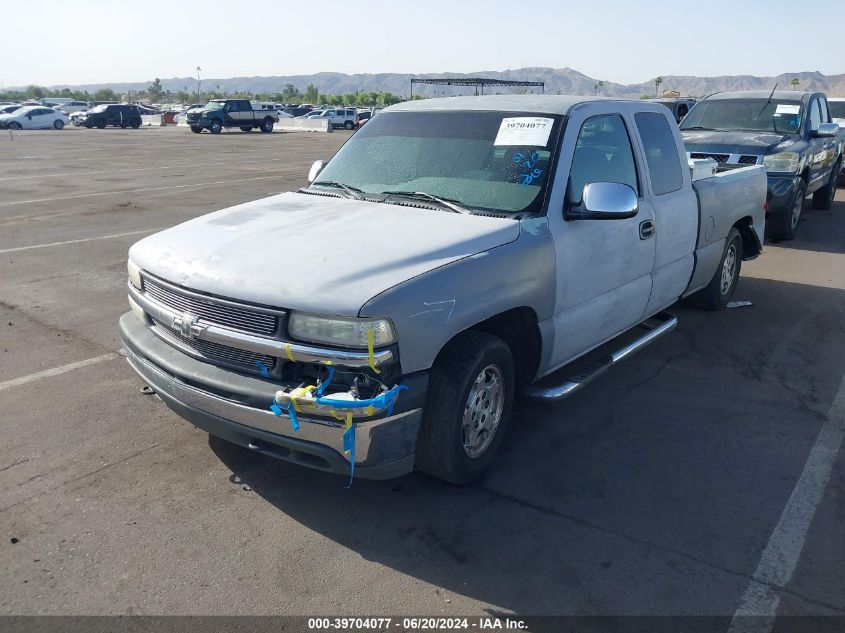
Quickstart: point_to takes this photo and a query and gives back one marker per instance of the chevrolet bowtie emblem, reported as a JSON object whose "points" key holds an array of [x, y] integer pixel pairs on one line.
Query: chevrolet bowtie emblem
{"points": [[187, 326]]}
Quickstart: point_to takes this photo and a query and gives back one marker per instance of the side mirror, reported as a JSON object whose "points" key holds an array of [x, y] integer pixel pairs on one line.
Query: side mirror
{"points": [[605, 201], [826, 130], [315, 170]]}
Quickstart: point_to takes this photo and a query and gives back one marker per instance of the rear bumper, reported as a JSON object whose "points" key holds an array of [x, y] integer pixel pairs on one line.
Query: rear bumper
{"points": [[213, 399]]}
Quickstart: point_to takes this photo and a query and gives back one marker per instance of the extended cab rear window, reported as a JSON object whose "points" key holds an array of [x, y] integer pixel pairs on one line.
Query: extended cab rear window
{"points": [[661, 152]]}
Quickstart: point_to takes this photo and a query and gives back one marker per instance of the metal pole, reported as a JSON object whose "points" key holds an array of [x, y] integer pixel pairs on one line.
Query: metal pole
{"points": [[412, 89]]}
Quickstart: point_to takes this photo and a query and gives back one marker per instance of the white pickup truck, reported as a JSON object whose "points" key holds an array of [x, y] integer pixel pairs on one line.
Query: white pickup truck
{"points": [[452, 253]]}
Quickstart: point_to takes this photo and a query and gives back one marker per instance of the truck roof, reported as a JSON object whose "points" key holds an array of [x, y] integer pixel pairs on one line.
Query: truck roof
{"points": [[786, 95], [551, 104]]}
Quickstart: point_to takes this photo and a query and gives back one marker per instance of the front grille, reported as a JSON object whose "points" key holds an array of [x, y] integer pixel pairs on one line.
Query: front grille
{"points": [[210, 310], [719, 158], [747, 159], [214, 352]]}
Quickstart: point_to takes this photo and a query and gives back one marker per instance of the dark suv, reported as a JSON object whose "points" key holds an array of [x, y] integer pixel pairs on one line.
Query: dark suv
{"points": [[113, 114]]}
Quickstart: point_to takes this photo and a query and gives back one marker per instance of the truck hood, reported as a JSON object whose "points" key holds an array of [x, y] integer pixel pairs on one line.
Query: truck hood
{"points": [[757, 143], [313, 252]]}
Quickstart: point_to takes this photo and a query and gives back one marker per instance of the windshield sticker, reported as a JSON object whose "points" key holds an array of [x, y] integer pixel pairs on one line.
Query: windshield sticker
{"points": [[524, 130], [785, 108]]}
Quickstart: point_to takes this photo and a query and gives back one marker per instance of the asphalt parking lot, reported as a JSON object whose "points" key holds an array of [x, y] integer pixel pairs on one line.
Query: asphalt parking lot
{"points": [[691, 480]]}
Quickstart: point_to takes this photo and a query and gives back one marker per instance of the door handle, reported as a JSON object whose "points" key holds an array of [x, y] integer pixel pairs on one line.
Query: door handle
{"points": [[646, 229]]}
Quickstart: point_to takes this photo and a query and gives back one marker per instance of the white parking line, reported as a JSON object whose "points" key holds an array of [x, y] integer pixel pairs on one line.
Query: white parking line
{"points": [[120, 171], [113, 193], [84, 239], [779, 559], [15, 382]]}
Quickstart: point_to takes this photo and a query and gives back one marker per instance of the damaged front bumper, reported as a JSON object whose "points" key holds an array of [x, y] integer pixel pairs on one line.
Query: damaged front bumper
{"points": [[229, 405]]}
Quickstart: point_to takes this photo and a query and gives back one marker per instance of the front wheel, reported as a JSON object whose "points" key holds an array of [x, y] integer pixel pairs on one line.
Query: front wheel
{"points": [[785, 225], [196, 129], [216, 127], [719, 291], [14, 125], [823, 198], [267, 126], [469, 404], [58, 124]]}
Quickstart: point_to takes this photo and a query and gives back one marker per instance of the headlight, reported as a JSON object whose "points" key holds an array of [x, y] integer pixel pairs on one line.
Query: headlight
{"points": [[134, 274], [785, 162], [340, 331]]}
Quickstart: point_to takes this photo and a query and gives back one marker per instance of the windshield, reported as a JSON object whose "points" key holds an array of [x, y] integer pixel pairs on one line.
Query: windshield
{"points": [[99, 108], [753, 115], [214, 105], [837, 109], [485, 160]]}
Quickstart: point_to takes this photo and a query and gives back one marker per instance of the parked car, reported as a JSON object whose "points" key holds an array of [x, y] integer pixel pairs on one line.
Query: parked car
{"points": [[501, 238], [227, 113], [339, 117], [298, 112], [790, 133], [72, 106], [7, 109], [34, 118], [78, 118], [364, 116], [117, 115], [680, 106], [837, 113]]}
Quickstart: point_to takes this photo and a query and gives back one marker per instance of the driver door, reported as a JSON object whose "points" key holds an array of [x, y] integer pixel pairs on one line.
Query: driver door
{"points": [[604, 267]]}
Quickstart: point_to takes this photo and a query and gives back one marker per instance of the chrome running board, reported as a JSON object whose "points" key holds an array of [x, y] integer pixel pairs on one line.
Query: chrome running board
{"points": [[665, 323]]}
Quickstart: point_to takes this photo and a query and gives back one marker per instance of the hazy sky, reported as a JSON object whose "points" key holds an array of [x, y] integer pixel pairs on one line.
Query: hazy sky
{"points": [[91, 41]]}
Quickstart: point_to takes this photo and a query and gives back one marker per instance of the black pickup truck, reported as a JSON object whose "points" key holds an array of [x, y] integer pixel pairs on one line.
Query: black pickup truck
{"points": [[790, 133], [226, 113]]}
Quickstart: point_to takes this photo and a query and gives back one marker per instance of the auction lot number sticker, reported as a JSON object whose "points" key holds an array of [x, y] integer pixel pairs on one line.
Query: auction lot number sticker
{"points": [[524, 130], [415, 624]]}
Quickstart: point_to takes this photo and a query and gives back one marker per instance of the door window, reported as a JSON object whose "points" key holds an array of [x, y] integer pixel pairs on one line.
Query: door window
{"points": [[661, 152], [815, 115], [602, 154]]}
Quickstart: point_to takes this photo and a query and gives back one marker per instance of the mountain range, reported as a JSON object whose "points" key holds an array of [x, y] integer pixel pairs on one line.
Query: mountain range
{"points": [[557, 80]]}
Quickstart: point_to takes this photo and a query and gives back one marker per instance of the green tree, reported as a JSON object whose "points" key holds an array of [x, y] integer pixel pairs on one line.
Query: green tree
{"points": [[312, 95], [290, 93], [657, 82], [794, 83], [155, 90], [105, 94]]}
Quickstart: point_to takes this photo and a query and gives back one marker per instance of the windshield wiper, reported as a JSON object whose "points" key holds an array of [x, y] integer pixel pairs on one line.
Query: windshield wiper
{"points": [[452, 205], [352, 192], [699, 127]]}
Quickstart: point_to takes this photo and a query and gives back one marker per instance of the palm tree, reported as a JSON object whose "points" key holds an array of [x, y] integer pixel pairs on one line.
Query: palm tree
{"points": [[794, 83], [597, 86], [657, 82]]}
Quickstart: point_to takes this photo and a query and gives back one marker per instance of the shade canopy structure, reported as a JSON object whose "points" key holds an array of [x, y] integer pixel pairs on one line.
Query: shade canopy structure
{"points": [[477, 82]]}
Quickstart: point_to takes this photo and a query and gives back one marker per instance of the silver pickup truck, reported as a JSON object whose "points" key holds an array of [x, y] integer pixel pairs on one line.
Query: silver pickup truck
{"points": [[449, 256]]}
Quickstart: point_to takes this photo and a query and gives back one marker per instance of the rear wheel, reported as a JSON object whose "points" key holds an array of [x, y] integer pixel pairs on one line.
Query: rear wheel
{"points": [[471, 394], [785, 225], [58, 124], [823, 198], [246, 129], [267, 125], [216, 127], [349, 125], [719, 291]]}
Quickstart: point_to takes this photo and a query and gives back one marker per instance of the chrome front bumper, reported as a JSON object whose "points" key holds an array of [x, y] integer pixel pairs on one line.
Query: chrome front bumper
{"points": [[387, 443]]}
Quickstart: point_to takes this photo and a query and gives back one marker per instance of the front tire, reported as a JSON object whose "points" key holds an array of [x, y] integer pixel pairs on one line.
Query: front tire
{"points": [[267, 126], [196, 129], [823, 198], [721, 288], [216, 127], [785, 226], [14, 125], [470, 399]]}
